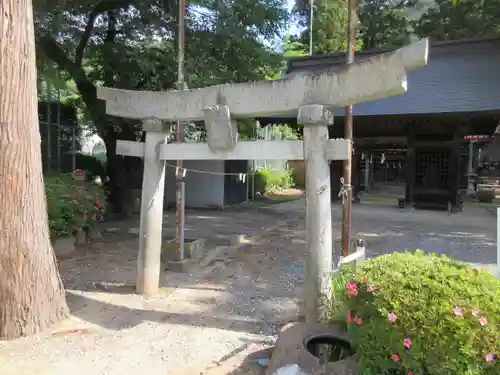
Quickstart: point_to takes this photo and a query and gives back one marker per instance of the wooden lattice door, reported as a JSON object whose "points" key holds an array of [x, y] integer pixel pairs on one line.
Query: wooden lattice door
{"points": [[432, 169]]}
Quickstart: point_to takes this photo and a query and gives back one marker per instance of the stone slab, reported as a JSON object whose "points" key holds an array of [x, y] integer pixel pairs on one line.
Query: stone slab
{"points": [[81, 237], [64, 246], [94, 234], [181, 266], [192, 249]]}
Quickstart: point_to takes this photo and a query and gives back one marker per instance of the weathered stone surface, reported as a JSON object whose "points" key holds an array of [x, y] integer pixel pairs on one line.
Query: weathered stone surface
{"points": [[222, 132], [336, 149], [64, 246], [195, 248], [291, 349], [94, 234], [81, 237], [181, 266], [191, 249], [155, 125], [375, 78], [314, 115]]}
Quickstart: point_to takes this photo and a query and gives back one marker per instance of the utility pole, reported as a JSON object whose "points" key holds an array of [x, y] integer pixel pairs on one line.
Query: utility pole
{"points": [[180, 184], [348, 134]]}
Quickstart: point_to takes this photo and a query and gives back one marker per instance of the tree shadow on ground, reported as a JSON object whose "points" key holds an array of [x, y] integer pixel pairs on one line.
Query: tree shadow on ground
{"points": [[240, 361], [117, 317], [243, 361], [107, 315], [249, 364]]}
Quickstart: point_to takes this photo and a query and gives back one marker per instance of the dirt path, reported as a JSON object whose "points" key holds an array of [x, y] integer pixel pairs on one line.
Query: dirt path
{"points": [[207, 323]]}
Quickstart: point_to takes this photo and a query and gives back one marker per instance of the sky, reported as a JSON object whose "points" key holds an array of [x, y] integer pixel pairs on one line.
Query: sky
{"points": [[293, 28]]}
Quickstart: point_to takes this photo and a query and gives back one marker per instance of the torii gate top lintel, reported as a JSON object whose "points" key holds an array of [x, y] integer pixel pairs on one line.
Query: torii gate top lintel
{"points": [[375, 78]]}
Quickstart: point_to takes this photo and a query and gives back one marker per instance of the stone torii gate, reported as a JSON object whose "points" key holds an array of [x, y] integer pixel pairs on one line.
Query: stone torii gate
{"points": [[310, 95]]}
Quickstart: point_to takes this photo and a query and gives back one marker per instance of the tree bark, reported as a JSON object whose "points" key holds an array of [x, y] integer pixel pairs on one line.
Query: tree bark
{"points": [[31, 292]]}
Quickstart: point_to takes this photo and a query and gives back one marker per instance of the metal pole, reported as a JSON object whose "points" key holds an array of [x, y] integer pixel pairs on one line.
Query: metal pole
{"points": [[311, 16], [180, 188], [347, 197]]}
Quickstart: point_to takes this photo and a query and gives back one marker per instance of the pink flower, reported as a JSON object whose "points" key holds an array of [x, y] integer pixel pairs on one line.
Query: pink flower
{"points": [[351, 289], [350, 285], [483, 321], [407, 343], [395, 357], [458, 311], [410, 373], [358, 320], [371, 288], [475, 311], [392, 317], [490, 357]]}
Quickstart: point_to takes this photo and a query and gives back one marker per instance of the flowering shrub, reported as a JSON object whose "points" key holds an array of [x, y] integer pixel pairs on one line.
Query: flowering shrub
{"points": [[72, 205], [420, 314]]}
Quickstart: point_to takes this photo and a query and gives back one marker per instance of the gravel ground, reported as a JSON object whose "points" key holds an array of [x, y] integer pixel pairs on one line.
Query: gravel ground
{"points": [[469, 236], [197, 325], [213, 321]]}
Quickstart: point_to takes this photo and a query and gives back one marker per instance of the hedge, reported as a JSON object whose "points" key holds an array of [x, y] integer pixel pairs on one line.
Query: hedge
{"points": [[422, 314], [72, 205]]}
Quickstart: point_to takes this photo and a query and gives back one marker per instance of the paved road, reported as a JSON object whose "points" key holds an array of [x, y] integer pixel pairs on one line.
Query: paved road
{"points": [[468, 236]]}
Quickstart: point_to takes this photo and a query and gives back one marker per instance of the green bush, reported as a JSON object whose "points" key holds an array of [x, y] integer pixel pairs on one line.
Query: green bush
{"points": [[420, 314], [267, 180], [72, 205]]}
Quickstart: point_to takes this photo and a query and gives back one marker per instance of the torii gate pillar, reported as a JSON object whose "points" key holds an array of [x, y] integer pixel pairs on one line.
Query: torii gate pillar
{"points": [[318, 268], [153, 188]]}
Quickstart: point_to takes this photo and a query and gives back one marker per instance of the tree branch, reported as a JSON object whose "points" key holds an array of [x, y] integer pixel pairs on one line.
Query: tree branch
{"points": [[80, 49], [101, 7], [85, 87], [52, 50]]}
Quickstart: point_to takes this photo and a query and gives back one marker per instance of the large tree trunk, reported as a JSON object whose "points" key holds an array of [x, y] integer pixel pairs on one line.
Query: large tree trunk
{"points": [[31, 292]]}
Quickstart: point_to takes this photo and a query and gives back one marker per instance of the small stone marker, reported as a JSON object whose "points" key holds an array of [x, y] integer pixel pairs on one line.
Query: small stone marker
{"points": [[78, 175]]}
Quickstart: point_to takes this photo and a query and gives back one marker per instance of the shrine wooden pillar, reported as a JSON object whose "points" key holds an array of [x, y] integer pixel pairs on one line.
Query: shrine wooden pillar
{"points": [[356, 170], [411, 165], [454, 168], [336, 166]]}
